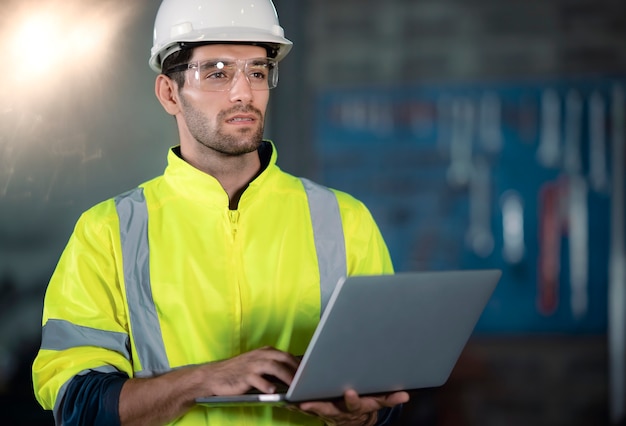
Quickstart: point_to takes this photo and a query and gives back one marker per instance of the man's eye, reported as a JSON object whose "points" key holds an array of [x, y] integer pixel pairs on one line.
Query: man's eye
{"points": [[258, 72], [216, 75], [258, 75]]}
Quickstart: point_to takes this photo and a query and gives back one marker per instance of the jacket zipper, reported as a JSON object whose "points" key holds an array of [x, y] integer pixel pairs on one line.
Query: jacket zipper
{"points": [[233, 216], [234, 221]]}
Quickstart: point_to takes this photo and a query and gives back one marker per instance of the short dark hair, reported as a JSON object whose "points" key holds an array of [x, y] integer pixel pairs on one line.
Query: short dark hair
{"points": [[175, 59]]}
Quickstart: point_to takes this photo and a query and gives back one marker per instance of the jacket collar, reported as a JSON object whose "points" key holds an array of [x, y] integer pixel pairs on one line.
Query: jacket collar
{"points": [[191, 182]]}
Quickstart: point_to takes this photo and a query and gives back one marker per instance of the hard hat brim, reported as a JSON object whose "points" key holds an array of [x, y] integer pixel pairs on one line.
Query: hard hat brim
{"points": [[217, 35]]}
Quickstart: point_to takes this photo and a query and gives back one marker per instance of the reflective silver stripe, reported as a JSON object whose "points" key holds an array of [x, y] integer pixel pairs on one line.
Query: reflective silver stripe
{"points": [[329, 238], [58, 335], [144, 321], [146, 330]]}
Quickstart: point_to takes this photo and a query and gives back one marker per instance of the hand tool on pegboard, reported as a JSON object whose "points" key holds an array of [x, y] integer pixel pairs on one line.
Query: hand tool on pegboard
{"points": [[549, 150], [513, 246], [577, 214], [445, 123], [549, 257], [525, 119], [489, 125], [479, 236], [598, 173], [460, 168], [617, 263]]}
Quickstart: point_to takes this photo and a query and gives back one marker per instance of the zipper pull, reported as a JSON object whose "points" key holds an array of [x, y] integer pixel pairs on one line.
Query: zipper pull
{"points": [[233, 215]]}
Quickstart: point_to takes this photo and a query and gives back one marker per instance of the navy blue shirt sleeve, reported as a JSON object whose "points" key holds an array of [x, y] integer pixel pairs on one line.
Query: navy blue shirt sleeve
{"points": [[93, 399]]}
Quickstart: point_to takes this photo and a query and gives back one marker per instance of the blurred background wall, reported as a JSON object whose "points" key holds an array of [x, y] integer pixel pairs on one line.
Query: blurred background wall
{"points": [[480, 133]]}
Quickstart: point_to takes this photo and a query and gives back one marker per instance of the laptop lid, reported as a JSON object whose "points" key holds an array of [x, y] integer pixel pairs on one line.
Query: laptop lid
{"points": [[387, 333]]}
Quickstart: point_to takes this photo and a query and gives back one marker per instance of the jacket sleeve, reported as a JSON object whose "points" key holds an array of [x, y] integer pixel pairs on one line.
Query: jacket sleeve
{"points": [[85, 325], [366, 250]]}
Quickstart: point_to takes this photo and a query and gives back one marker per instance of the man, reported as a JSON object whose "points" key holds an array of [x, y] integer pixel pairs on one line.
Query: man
{"points": [[210, 279]]}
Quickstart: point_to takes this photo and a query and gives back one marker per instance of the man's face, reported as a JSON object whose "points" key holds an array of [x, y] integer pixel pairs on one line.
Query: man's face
{"points": [[230, 122]]}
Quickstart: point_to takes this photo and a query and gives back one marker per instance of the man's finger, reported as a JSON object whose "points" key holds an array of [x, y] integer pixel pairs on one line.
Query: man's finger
{"points": [[396, 398], [353, 401]]}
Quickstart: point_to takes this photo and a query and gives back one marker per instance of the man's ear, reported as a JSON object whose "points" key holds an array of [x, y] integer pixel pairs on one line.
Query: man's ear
{"points": [[166, 92]]}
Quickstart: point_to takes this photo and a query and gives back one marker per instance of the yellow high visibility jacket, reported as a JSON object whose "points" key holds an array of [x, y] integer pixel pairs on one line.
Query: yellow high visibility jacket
{"points": [[194, 282]]}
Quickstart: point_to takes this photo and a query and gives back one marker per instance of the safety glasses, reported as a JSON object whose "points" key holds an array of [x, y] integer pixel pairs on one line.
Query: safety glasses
{"points": [[219, 75]]}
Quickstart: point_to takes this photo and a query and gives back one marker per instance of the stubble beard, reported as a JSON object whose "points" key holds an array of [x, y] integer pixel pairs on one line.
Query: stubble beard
{"points": [[245, 140]]}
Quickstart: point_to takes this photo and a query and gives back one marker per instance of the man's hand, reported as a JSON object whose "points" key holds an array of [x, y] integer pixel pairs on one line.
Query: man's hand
{"points": [[161, 399], [238, 375], [353, 410]]}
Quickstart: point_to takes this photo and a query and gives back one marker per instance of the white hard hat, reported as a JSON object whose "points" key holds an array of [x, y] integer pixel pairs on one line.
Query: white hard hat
{"points": [[214, 21]]}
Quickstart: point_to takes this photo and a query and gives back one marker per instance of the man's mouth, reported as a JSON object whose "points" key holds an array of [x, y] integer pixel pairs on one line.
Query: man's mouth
{"points": [[240, 119]]}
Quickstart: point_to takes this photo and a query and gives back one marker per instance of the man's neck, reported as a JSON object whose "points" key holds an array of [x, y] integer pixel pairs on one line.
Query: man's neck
{"points": [[234, 173]]}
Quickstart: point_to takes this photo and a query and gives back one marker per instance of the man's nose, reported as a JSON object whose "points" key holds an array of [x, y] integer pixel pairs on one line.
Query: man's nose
{"points": [[241, 90]]}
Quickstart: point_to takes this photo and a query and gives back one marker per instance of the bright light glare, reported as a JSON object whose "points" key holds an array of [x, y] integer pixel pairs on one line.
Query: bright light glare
{"points": [[36, 35], [53, 40]]}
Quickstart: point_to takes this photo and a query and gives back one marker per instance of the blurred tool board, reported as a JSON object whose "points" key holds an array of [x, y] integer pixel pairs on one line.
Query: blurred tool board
{"points": [[510, 175]]}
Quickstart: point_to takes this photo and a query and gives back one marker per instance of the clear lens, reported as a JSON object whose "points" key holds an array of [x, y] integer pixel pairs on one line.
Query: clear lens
{"points": [[217, 75]]}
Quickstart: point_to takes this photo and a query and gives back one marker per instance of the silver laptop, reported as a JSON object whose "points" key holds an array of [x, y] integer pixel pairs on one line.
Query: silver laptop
{"points": [[385, 333]]}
